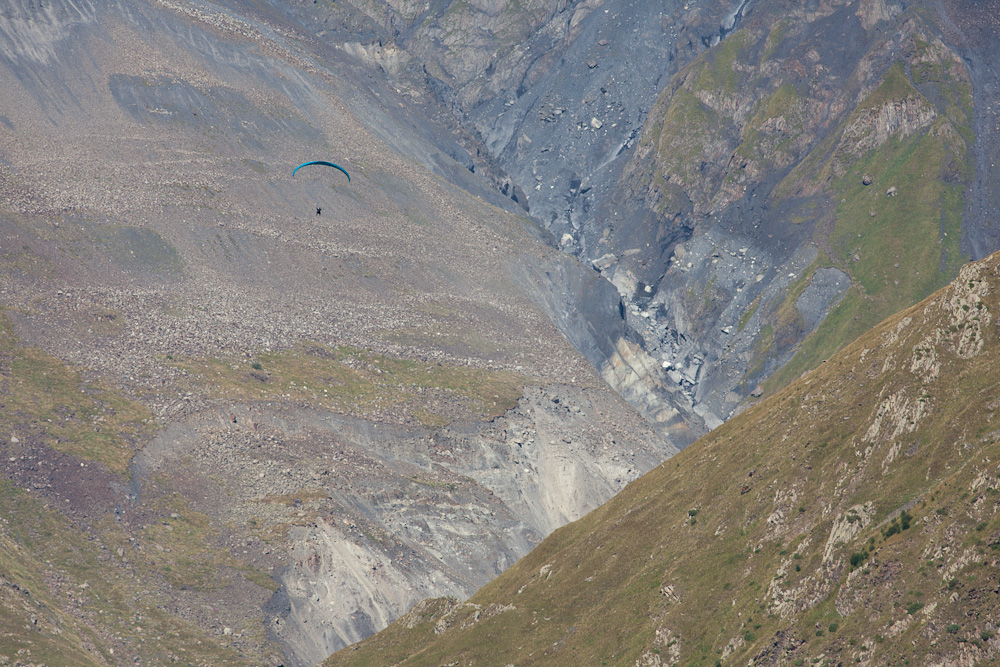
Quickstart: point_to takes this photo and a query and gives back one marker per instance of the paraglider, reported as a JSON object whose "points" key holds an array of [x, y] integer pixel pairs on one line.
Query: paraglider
{"points": [[325, 164]]}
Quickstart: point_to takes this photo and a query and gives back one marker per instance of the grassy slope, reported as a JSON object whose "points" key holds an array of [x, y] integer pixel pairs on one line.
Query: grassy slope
{"points": [[774, 534], [42, 398], [896, 249], [71, 593], [66, 600]]}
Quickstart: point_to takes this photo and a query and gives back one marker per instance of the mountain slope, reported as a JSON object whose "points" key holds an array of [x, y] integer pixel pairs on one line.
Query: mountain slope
{"points": [[743, 215], [262, 431], [851, 518]]}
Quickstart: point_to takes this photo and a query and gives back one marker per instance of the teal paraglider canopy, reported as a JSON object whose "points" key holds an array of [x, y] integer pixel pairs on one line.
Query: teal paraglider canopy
{"points": [[325, 164]]}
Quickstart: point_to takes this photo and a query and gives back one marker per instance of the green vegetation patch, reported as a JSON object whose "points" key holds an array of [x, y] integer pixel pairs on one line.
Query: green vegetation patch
{"points": [[767, 147], [44, 399], [909, 248], [354, 381], [682, 136], [64, 600], [894, 86], [33, 625], [179, 547], [897, 237], [748, 313], [717, 72]]}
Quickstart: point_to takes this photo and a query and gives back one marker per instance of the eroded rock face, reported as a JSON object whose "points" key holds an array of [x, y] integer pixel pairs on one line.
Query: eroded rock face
{"points": [[743, 164], [373, 518], [872, 127]]}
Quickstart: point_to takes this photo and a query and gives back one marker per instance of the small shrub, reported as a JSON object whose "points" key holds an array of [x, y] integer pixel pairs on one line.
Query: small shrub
{"points": [[858, 557], [953, 628], [986, 635], [914, 607], [905, 518], [749, 637], [256, 366], [834, 627], [692, 512]]}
